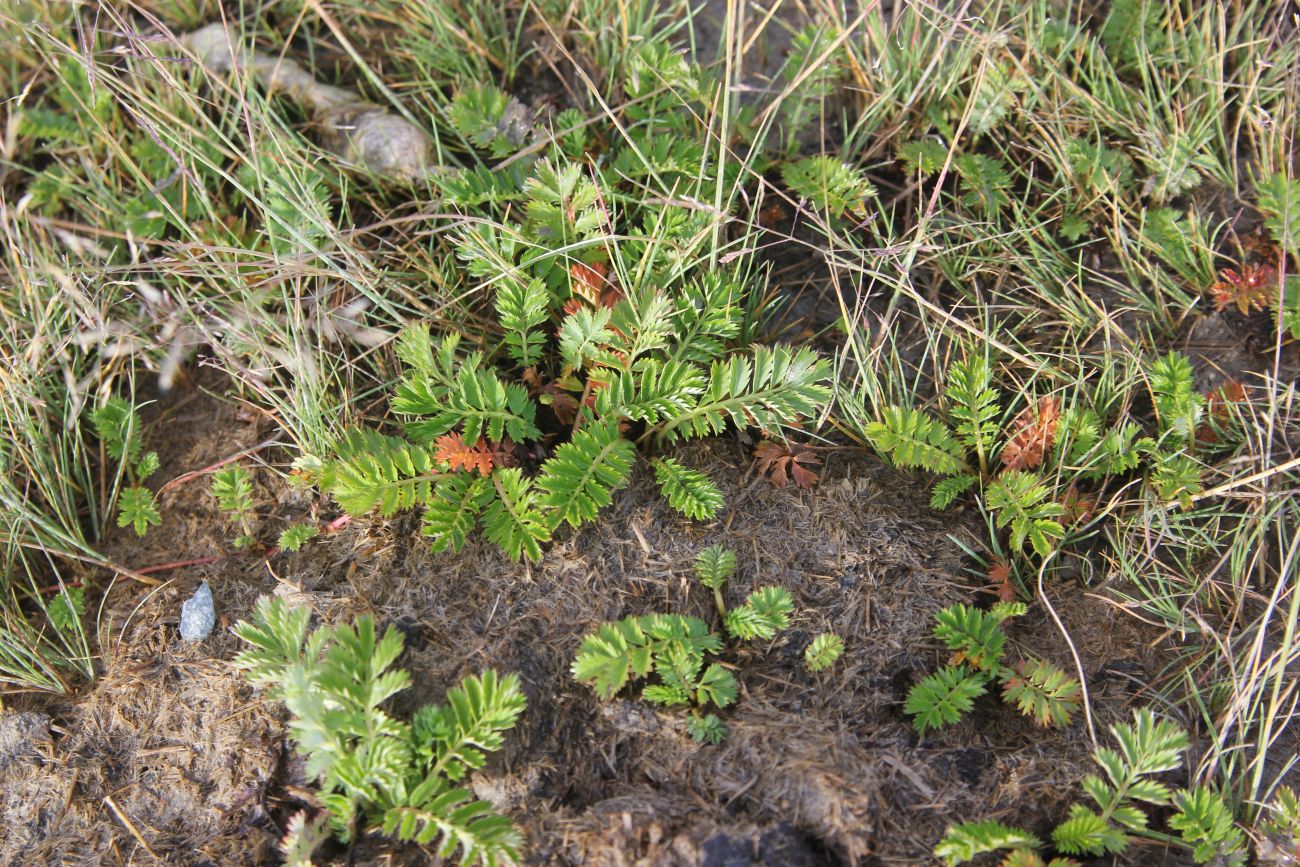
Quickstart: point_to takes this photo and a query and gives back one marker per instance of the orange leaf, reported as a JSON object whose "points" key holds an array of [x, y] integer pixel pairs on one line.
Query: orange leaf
{"points": [[588, 281], [453, 451], [1000, 580], [1218, 409], [1032, 435], [781, 463], [1078, 506]]}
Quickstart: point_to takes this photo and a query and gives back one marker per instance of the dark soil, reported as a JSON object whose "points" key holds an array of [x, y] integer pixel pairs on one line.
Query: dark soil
{"points": [[168, 756]]}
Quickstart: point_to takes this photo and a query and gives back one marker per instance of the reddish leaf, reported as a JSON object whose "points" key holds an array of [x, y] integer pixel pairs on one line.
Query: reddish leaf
{"points": [[588, 281], [1254, 288], [564, 406], [1032, 435], [1079, 507], [1218, 404], [1000, 580], [780, 463], [453, 451]]}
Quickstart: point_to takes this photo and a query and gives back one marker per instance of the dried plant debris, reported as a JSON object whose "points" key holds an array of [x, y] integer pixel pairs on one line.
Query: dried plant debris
{"points": [[360, 132]]}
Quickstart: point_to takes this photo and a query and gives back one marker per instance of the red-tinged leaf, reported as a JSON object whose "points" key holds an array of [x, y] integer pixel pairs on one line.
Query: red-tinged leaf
{"points": [[1255, 287], [1218, 408], [1032, 435], [780, 463], [1000, 580], [564, 406], [501, 454], [1079, 507], [588, 281], [453, 451]]}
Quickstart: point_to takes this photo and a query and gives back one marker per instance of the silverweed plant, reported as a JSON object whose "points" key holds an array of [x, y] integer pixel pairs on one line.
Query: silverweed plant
{"points": [[1036, 688], [120, 431], [675, 648], [376, 772], [1145, 749]]}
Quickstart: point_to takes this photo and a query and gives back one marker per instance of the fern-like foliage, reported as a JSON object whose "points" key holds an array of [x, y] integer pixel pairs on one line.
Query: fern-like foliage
{"points": [[944, 697], [673, 646], [370, 470], [913, 439], [480, 404], [375, 771], [522, 307], [1021, 500], [984, 182], [706, 316], [232, 487], [974, 405], [577, 482], [514, 519], [688, 491], [1179, 406], [829, 184], [1043, 691], [453, 510], [969, 840], [714, 565], [136, 508], [118, 426], [1278, 196], [293, 538], [482, 114], [823, 651], [706, 728], [653, 392], [1204, 821], [645, 354], [922, 156], [766, 611], [770, 390], [1147, 747], [974, 636], [978, 644], [946, 491]]}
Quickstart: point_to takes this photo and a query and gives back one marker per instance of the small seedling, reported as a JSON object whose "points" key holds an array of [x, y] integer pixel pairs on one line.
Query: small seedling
{"points": [[233, 488], [135, 507], [676, 648], [764, 613], [118, 426], [672, 647], [293, 538], [823, 652]]}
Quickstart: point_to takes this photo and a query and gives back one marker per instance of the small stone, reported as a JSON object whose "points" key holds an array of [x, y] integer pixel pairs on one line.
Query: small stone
{"points": [[198, 614]]}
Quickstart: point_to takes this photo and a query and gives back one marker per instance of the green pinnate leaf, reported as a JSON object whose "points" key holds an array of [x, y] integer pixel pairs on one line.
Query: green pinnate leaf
{"points": [[943, 697], [911, 438], [136, 509], [688, 491], [823, 652]]}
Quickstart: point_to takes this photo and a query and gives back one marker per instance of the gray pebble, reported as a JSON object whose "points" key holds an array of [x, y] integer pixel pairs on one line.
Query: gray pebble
{"points": [[198, 614]]}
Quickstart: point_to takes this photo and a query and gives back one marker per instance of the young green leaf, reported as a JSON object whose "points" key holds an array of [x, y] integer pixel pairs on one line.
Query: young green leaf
{"points": [[688, 491], [135, 507], [823, 652]]}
